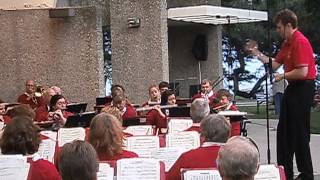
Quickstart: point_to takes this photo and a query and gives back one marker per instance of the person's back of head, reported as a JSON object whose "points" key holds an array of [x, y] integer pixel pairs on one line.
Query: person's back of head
{"points": [[199, 109], [20, 136], [21, 111], [238, 159], [78, 161], [215, 128]]}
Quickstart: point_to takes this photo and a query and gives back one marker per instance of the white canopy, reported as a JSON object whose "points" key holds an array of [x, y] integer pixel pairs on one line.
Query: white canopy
{"points": [[216, 15]]}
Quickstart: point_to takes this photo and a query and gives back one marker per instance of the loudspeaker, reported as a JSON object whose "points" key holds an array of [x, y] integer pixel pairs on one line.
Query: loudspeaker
{"points": [[200, 47]]}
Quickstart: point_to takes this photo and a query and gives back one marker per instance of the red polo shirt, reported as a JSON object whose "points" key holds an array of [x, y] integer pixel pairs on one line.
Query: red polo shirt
{"points": [[296, 53]]}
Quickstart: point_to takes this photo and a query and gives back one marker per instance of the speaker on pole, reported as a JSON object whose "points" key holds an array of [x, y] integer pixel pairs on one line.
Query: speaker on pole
{"points": [[200, 47]]}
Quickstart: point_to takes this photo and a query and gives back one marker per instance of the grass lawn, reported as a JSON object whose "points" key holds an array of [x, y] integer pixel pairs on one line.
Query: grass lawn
{"points": [[252, 114]]}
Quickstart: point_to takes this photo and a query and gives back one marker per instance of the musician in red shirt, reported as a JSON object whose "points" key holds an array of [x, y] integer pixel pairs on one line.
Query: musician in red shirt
{"points": [[293, 131], [21, 136], [154, 96], [224, 97], [106, 137], [216, 131], [42, 111], [29, 97], [206, 92], [127, 110]]}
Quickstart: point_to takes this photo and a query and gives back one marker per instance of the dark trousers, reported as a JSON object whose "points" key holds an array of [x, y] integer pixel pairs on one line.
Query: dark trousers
{"points": [[293, 132]]}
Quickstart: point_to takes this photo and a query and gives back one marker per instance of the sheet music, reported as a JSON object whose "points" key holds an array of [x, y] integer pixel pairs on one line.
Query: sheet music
{"points": [[66, 135], [13, 167], [138, 168], [232, 113], [46, 149], [142, 130], [188, 140], [168, 155], [143, 145], [267, 172], [210, 174], [50, 134], [178, 125], [105, 172]]}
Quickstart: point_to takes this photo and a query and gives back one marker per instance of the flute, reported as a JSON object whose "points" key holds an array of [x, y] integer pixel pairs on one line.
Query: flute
{"points": [[153, 107]]}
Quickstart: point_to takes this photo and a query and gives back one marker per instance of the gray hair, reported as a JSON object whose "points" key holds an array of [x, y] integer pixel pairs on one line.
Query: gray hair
{"points": [[215, 128], [199, 109], [238, 159]]}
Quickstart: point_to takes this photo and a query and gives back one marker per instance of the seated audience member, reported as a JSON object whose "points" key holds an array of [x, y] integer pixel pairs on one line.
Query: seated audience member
{"points": [[216, 131], [198, 110], [58, 112], [28, 97], [163, 86], [238, 159], [21, 136], [154, 96], [106, 137], [206, 92], [42, 111], [224, 97], [168, 98], [128, 112], [78, 161]]}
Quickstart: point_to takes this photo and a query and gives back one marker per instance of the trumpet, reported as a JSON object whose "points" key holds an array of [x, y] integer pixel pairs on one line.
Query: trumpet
{"points": [[39, 91]]}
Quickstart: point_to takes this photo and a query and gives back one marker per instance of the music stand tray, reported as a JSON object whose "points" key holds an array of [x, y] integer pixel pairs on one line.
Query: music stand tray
{"points": [[77, 107]]}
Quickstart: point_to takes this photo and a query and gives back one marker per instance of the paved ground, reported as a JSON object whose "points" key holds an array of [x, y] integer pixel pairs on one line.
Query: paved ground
{"points": [[258, 131]]}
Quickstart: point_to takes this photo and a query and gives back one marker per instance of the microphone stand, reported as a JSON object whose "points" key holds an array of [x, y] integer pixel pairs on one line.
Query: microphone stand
{"points": [[269, 71]]}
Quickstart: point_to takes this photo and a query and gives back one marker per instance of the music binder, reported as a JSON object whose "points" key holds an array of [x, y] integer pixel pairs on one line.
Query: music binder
{"points": [[80, 120]]}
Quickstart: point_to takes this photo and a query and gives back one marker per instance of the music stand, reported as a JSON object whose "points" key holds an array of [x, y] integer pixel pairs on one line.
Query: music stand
{"points": [[131, 122], [77, 107], [85, 119], [103, 100], [72, 121], [180, 111]]}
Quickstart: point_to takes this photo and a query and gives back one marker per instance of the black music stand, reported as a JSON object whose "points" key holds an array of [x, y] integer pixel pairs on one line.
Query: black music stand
{"points": [[180, 111], [131, 122], [77, 107], [103, 100], [80, 120]]}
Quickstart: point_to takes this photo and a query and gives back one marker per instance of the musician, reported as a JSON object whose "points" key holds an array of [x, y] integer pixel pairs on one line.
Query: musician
{"points": [[106, 137], [206, 92], [78, 160], [157, 117], [293, 131], [22, 110], [58, 112], [216, 131], [198, 110], [224, 97], [238, 159], [29, 97], [127, 110], [163, 86], [3, 114], [154, 96], [42, 111], [21, 136], [113, 111]]}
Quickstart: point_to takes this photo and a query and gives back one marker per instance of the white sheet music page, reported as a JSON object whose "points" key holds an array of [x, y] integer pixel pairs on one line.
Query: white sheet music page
{"points": [[50, 134], [267, 172], [232, 113], [105, 172], [142, 145], [138, 168], [66, 135], [46, 149], [168, 155], [178, 125], [188, 140], [13, 167], [141, 130], [210, 174]]}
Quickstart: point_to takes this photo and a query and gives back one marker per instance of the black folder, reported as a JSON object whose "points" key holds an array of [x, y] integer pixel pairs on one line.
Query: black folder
{"points": [[80, 120], [131, 122], [103, 100], [180, 111]]}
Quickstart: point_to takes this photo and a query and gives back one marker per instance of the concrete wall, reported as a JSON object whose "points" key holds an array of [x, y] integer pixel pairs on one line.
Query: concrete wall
{"points": [[184, 68], [66, 52], [139, 56]]}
